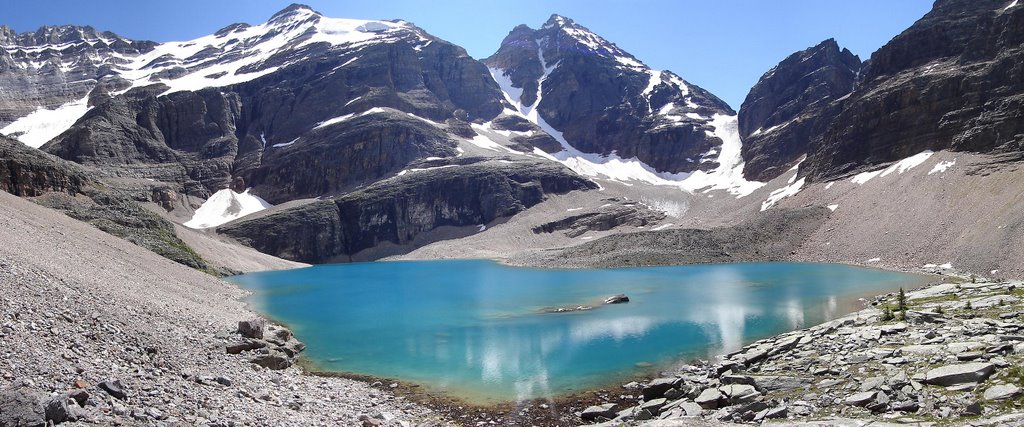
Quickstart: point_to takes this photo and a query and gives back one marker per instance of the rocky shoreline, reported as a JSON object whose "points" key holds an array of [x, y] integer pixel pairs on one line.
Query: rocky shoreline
{"points": [[950, 355]]}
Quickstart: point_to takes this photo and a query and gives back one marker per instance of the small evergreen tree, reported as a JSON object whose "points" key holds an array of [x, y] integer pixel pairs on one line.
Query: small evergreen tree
{"points": [[901, 303], [938, 310], [968, 306], [886, 313]]}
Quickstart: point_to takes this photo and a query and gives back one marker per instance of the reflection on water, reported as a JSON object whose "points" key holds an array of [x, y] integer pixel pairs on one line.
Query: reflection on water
{"points": [[473, 328]]}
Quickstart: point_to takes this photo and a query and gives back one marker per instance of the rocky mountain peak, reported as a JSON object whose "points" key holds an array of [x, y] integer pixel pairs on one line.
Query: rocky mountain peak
{"points": [[294, 11], [785, 110], [60, 35]]}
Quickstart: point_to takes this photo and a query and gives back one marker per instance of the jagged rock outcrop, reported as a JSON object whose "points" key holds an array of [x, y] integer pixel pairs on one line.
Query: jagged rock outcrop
{"points": [[954, 80], [397, 211], [27, 172], [791, 105], [604, 100], [79, 193], [602, 219], [766, 237]]}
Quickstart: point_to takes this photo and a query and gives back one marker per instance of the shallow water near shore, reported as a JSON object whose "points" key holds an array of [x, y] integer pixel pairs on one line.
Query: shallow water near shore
{"points": [[479, 330]]}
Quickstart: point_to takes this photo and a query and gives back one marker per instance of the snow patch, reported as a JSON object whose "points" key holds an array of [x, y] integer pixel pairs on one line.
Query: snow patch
{"points": [[42, 125], [285, 144], [874, 260], [662, 227], [1012, 4], [942, 166], [898, 167], [225, 206], [782, 193], [833, 207]]}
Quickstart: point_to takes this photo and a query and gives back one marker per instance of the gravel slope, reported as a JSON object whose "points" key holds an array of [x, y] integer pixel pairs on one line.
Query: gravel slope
{"points": [[79, 304]]}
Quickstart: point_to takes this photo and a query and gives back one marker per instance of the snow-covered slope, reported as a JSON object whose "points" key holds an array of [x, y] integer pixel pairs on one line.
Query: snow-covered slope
{"points": [[235, 54], [225, 206]]}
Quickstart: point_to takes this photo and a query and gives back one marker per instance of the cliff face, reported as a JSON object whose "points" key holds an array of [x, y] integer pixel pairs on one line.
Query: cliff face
{"points": [[791, 105], [398, 210], [954, 80], [26, 172]]}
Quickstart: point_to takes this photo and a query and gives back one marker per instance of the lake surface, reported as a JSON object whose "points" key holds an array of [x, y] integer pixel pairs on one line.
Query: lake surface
{"points": [[477, 330]]}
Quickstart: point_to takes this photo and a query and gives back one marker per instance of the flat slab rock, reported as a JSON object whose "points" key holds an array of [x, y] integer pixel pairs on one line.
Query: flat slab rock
{"points": [[965, 373], [1001, 392]]}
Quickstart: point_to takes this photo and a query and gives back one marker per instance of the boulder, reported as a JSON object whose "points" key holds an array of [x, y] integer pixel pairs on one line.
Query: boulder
{"points": [[965, 373], [691, 409], [56, 410], [273, 360], [114, 388], [1001, 392], [653, 406], [616, 299], [739, 393], [592, 413], [252, 328], [657, 388], [247, 345]]}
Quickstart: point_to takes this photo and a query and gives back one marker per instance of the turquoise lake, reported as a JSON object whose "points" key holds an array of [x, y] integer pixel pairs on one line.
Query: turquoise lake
{"points": [[477, 330]]}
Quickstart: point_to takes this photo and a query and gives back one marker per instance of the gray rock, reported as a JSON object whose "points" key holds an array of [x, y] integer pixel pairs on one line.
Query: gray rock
{"points": [[736, 379], [653, 406], [708, 399], [657, 387], [616, 299], [691, 409], [871, 384], [879, 403], [739, 393], [247, 345], [643, 415], [860, 399], [79, 396], [114, 388], [1001, 392], [592, 413], [57, 410], [273, 360], [20, 407], [959, 374], [780, 382], [252, 328]]}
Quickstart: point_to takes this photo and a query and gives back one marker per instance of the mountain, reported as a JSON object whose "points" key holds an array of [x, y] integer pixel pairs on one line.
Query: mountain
{"points": [[952, 81], [282, 105], [48, 74], [597, 98], [791, 105]]}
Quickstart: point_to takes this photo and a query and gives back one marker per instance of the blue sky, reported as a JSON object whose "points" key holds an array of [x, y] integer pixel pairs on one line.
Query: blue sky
{"points": [[721, 45]]}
